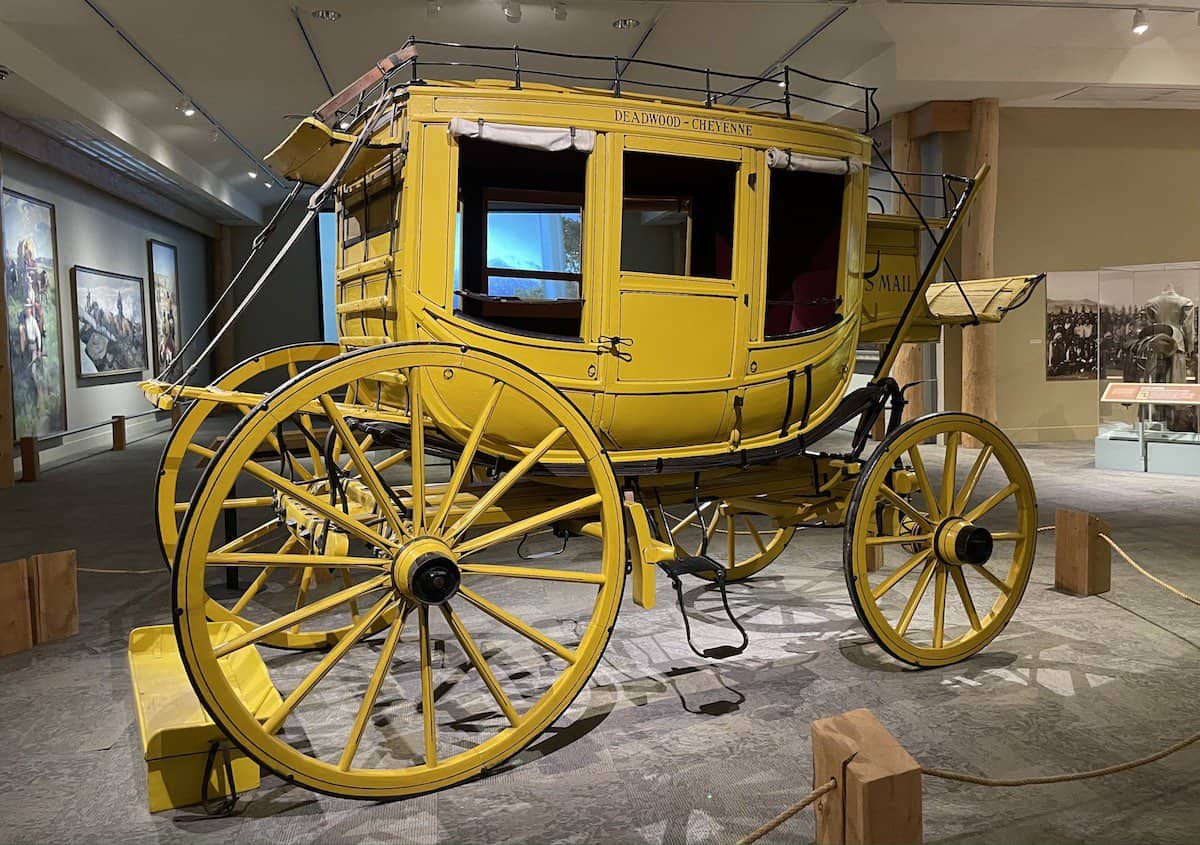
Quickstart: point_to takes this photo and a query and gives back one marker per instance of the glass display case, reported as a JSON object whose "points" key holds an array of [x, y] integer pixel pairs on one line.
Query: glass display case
{"points": [[1147, 335]]}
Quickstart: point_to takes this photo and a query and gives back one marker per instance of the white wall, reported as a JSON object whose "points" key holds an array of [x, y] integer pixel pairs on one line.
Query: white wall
{"points": [[95, 229]]}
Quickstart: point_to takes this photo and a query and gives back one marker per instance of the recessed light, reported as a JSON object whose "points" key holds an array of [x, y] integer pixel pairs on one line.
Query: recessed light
{"points": [[251, 174], [327, 15], [560, 10], [626, 23], [512, 11], [432, 7], [187, 107]]}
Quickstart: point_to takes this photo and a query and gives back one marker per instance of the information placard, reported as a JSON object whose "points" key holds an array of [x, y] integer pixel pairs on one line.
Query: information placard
{"points": [[1132, 393]]}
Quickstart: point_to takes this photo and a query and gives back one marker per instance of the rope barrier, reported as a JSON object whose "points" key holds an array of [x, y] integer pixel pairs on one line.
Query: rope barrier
{"points": [[1153, 578], [1063, 778], [808, 799]]}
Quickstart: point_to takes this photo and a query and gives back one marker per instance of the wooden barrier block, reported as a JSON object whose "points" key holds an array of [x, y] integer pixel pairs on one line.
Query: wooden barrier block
{"points": [[118, 432], [16, 632], [878, 794], [176, 415], [31, 466], [53, 596], [874, 558], [1082, 560]]}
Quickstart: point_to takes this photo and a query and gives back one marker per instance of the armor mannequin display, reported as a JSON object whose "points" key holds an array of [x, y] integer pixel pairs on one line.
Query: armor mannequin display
{"points": [[1160, 352]]}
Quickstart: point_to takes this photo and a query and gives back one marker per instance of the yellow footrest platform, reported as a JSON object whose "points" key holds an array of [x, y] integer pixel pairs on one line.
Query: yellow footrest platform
{"points": [[177, 733]]}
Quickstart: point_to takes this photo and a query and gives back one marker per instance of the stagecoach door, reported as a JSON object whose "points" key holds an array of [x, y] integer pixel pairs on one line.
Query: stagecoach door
{"points": [[678, 308]]}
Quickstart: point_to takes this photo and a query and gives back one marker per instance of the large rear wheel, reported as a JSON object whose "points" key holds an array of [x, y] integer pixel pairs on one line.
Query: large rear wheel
{"points": [[477, 652]]}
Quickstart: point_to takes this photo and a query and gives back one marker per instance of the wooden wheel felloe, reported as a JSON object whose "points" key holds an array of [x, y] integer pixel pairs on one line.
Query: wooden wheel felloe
{"points": [[955, 549], [476, 652], [742, 540]]}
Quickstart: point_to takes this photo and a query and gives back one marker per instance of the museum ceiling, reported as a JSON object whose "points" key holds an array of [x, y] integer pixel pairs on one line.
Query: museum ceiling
{"points": [[246, 65]]}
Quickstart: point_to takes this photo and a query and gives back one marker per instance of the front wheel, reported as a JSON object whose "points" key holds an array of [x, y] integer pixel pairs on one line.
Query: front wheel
{"points": [[915, 522]]}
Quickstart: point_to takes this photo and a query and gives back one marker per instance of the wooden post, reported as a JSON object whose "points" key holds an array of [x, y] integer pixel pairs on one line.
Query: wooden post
{"points": [[1082, 560], [874, 558], [978, 258], [16, 633], [878, 794], [31, 467], [118, 432], [906, 155], [53, 596], [176, 414]]}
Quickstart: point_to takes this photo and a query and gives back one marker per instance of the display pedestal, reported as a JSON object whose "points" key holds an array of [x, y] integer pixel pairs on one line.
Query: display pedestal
{"points": [[1171, 453]]}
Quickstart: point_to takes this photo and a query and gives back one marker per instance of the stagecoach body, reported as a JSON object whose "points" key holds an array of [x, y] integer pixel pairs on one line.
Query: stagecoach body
{"points": [[605, 317]]}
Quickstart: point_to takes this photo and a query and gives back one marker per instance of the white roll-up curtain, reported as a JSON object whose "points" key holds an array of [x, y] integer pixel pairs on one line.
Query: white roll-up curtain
{"points": [[549, 138], [788, 160]]}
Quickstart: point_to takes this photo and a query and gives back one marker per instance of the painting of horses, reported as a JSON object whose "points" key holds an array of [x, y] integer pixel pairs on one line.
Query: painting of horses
{"points": [[164, 295], [31, 315], [110, 323]]}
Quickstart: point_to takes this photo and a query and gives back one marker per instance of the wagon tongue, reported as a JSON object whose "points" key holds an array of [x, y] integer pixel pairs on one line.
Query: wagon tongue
{"points": [[694, 565]]}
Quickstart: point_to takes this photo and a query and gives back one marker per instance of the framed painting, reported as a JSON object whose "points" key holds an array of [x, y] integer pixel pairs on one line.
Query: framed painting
{"points": [[110, 323], [164, 302], [31, 315]]}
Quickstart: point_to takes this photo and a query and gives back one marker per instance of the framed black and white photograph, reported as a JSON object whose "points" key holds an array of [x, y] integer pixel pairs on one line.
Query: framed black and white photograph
{"points": [[110, 322], [1072, 326]]}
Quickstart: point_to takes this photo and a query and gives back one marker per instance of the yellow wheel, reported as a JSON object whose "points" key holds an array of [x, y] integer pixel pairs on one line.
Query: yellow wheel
{"points": [[174, 484], [741, 540], [480, 652], [937, 555]]}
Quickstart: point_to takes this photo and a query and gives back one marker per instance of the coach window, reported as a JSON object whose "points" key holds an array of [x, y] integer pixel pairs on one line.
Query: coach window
{"points": [[677, 216], [804, 238], [520, 250]]}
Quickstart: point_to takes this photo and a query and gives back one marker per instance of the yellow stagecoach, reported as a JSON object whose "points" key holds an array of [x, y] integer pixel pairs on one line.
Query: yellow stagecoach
{"points": [[584, 333]]}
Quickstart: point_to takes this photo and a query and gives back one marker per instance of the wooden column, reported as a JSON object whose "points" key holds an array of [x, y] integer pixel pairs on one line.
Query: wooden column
{"points": [[6, 405], [878, 794], [978, 260], [906, 155]]}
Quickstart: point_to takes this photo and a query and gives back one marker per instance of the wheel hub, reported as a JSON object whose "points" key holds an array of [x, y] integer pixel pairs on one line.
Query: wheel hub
{"points": [[426, 570], [957, 541]]}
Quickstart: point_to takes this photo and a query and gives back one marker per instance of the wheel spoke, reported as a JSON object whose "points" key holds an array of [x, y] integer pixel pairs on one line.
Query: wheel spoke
{"points": [[904, 505], [939, 607], [416, 417], [504, 483], [481, 666], [463, 468], [536, 574], [342, 519], [527, 525], [251, 537], [327, 662], [895, 539], [918, 464], [297, 616], [366, 471], [506, 618], [428, 714], [992, 579], [373, 687], [960, 584], [279, 560], [892, 580], [692, 516], [949, 470], [914, 599], [391, 460], [257, 584], [758, 540], [972, 479], [996, 498]]}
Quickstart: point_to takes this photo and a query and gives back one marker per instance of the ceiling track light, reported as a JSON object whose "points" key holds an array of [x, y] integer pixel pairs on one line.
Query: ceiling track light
{"points": [[1141, 25], [626, 23], [327, 15], [432, 7], [560, 11], [187, 107], [512, 11], [252, 174]]}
